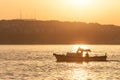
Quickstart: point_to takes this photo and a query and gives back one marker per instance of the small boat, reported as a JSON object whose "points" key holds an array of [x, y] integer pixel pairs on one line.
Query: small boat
{"points": [[78, 56]]}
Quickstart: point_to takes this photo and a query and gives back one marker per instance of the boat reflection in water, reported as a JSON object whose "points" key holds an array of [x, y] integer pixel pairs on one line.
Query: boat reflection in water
{"points": [[80, 55]]}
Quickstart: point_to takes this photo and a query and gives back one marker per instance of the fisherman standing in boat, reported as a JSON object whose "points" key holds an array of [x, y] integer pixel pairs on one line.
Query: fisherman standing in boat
{"points": [[87, 54]]}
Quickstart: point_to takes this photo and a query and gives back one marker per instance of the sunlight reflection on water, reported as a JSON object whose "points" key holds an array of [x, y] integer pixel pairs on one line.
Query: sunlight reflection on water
{"points": [[80, 73], [38, 63]]}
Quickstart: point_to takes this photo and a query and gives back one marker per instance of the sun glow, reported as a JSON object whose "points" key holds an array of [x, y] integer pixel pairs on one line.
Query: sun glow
{"points": [[84, 46], [79, 3], [75, 47]]}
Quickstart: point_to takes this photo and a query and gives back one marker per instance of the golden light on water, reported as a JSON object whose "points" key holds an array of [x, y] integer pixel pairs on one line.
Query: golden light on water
{"points": [[79, 73], [75, 47], [84, 46]]}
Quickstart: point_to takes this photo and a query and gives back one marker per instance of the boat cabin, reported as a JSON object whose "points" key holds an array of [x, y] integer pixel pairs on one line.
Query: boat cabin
{"points": [[80, 52], [78, 56]]}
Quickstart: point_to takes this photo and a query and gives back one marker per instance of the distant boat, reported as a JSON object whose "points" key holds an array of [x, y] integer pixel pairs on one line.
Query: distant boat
{"points": [[78, 56]]}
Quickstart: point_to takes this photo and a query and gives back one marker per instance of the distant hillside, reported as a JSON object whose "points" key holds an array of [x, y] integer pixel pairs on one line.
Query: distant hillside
{"points": [[56, 32]]}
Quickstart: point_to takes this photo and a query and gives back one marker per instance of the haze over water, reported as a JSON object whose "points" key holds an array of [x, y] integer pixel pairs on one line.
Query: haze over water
{"points": [[36, 62], [93, 11]]}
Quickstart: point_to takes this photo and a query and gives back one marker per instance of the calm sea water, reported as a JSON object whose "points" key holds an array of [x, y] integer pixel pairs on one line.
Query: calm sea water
{"points": [[36, 62]]}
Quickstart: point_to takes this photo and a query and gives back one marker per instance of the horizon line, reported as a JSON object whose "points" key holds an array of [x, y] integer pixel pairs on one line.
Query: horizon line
{"points": [[61, 21]]}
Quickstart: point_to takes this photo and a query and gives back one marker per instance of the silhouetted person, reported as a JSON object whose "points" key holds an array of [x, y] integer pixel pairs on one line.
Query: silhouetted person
{"points": [[87, 55], [105, 54]]}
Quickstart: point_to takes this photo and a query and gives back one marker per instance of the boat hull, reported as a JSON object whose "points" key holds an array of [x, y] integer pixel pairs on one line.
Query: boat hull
{"points": [[64, 58]]}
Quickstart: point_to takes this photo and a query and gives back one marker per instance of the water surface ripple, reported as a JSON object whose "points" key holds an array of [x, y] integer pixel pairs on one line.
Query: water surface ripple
{"points": [[36, 62]]}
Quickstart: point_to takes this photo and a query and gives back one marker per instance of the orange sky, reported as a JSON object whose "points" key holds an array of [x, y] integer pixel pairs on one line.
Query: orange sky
{"points": [[101, 11]]}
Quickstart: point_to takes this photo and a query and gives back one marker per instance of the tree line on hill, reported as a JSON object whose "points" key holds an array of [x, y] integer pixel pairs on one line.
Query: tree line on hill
{"points": [[57, 32]]}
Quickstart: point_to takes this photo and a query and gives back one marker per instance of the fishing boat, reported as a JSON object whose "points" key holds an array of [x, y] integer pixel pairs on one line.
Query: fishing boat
{"points": [[78, 56]]}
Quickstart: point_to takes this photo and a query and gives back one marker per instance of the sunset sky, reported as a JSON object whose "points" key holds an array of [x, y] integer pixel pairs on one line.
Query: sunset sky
{"points": [[100, 11]]}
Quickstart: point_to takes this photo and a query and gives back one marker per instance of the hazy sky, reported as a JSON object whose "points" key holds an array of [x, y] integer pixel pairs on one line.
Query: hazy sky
{"points": [[101, 11]]}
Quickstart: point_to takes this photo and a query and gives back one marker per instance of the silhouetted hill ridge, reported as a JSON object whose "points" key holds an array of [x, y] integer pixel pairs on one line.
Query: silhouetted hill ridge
{"points": [[57, 32]]}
